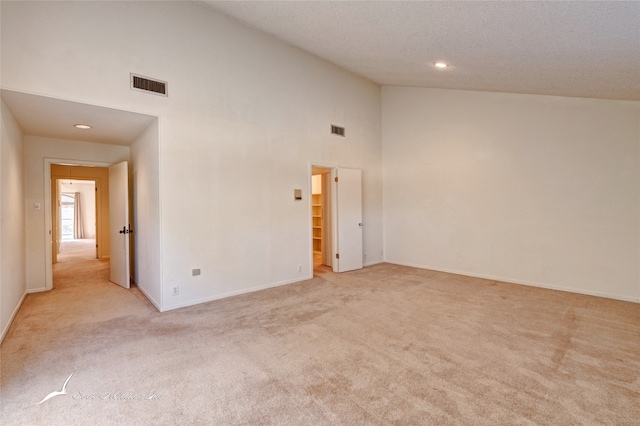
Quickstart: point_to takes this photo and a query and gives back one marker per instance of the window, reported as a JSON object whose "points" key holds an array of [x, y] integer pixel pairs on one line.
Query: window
{"points": [[67, 213]]}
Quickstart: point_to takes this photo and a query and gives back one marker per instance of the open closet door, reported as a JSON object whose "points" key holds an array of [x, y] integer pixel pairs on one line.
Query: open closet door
{"points": [[348, 190], [119, 229]]}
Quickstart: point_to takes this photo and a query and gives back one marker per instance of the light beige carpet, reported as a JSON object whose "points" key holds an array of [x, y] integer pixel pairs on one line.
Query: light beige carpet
{"points": [[384, 345]]}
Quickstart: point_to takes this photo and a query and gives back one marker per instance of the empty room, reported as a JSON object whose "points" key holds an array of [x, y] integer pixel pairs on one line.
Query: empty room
{"points": [[319, 212]]}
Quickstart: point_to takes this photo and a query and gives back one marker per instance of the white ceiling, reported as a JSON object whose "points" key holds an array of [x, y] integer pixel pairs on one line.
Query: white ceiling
{"points": [[55, 118], [572, 48]]}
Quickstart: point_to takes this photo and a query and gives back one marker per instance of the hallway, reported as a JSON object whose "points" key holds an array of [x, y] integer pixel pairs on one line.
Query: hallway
{"points": [[77, 265]]}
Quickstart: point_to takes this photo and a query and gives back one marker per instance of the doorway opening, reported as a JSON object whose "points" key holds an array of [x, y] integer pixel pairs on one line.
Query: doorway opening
{"points": [[77, 215], [76, 220], [78, 225], [113, 221], [76, 251], [336, 219], [321, 218]]}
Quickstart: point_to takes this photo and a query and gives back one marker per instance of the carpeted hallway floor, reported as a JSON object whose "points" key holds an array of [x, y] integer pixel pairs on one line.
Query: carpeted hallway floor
{"points": [[384, 345]]}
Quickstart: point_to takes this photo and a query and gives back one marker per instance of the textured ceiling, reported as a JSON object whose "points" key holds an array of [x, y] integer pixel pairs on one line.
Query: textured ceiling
{"points": [[573, 48]]}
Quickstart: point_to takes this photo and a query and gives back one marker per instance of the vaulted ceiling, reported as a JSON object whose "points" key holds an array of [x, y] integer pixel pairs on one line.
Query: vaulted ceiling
{"points": [[572, 48]]}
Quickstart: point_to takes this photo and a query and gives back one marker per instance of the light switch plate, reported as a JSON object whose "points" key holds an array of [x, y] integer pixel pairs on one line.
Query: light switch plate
{"points": [[297, 194]]}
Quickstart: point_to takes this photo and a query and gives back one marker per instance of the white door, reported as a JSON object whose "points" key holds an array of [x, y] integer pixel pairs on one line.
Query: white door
{"points": [[348, 189], [119, 229]]}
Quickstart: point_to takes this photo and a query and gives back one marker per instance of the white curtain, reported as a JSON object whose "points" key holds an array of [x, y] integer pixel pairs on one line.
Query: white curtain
{"points": [[78, 229]]}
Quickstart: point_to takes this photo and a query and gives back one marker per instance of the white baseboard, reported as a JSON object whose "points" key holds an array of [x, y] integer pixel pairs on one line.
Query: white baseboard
{"points": [[234, 293], [36, 290], [148, 296], [522, 282], [11, 318], [249, 290]]}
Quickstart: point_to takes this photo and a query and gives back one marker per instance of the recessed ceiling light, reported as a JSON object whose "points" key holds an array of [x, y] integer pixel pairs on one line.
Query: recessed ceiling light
{"points": [[82, 126], [441, 65]]}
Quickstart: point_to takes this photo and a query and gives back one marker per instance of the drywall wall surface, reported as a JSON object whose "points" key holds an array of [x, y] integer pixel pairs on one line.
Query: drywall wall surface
{"points": [[245, 116], [145, 182], [532, 189], [36, 150], [12, 225]]}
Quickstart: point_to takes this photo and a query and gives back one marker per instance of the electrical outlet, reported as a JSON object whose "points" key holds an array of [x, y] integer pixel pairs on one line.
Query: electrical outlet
{"points": [[175, 291], [299, 268]]}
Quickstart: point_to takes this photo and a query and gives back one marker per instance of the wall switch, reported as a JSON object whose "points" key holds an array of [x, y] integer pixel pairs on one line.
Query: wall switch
{"points": [[195, 272], [175, 291]]}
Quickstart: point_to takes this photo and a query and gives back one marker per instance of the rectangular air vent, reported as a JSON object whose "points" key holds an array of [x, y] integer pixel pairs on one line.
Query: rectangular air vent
{"points": [[337, 130], [145, 84]]}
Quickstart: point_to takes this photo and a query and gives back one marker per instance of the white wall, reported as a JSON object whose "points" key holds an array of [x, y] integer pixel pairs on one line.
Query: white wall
{"points": [[36, 150], [527, 189], [145, 183], [87, 191], [12, 225], [245, 116]]}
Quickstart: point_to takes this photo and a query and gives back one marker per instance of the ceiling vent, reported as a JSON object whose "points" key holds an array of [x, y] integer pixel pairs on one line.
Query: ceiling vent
{"points": [[145, 84], [337, 130]]}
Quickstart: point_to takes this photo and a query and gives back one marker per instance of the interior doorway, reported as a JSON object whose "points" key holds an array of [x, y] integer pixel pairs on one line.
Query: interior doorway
{"points": [[79, 226], [113, 243], [76, 251], [77, 217], [321, 217], [336, 219]]}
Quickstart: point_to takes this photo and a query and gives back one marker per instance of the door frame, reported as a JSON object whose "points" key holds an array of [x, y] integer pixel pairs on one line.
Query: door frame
{"points": [[48, 230]]}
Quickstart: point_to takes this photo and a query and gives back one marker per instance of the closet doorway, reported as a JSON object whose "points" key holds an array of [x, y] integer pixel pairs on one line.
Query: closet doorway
{"points": [[321, 217]]}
